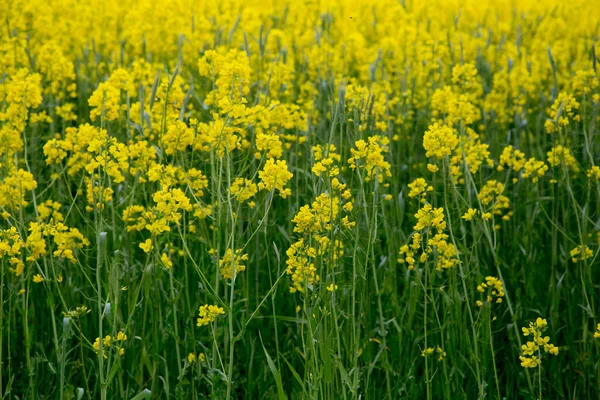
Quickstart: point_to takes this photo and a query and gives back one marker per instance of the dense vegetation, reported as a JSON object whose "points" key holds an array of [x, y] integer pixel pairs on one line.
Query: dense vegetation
{"points": [[343, 199]]}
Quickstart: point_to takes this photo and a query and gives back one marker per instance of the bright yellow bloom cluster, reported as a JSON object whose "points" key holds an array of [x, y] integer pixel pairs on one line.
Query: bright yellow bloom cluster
{"points": [[314, 223], [230, 264], [493, 288], [560, 154], [19, 93], [532, 350], [317, 217], [419, 188], [535, 169], [108, 155], [511, 158], [562, 111], [208, 313], [275, 175], [111, 343], [270, 144], [475, 154], [593, 173], [178, 137], [441, 354], [67, 240], [429, 239], [13, 189], [193, 358], [49, 211], [326, 160], [243, 189], [97, 196], [369, 155], [456, 104], [11, 245], [356, 97], [105, 101], [470, 214], [581, 253], [439, 141], [491, 195], [170, 203], [301, 266]]}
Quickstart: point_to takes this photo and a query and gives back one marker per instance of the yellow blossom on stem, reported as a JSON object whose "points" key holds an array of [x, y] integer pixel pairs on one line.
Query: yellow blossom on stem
{"points": [[208, 313]]}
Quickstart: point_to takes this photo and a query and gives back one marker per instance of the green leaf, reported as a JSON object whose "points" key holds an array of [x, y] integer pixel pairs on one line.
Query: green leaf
{"points": [[142, 395], [280, 393]]}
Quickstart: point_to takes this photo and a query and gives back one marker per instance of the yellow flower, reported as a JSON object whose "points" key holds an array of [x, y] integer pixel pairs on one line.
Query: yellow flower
{"points": [[561, 112], [468, 216], [433, 168], [275, 175], [208, 313], [38, 278], [231, 265], [332, 287], [166, 260], [581, 253], [243, 189], [370, 157], [540, 343], [146, 245], [439, 141], [419, 188]]}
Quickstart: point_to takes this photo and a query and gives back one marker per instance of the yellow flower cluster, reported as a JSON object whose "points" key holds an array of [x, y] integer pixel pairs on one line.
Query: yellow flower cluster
{"points": [[439, 141], [208, 313], [369, 155], [315, 224], [535, 169], [231, 264], [326, 160], [170, 203], [494, 290], [470, 214], [441, 354], [559, 155], [65, 240], [563, 110], [491, 195], [532, 350], [419, 188], [13, 189], [20, 92], [243, 190], [193, 358], [275, 175], [111, 343], [11, 245], [581, 253], [429, 240]]}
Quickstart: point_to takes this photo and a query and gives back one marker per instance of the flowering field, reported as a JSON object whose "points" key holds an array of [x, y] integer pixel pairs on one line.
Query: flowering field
{"points": [[336, 199]]}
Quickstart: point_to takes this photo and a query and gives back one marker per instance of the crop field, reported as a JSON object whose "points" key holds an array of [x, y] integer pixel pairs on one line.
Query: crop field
{"points": [[299, 199]]}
